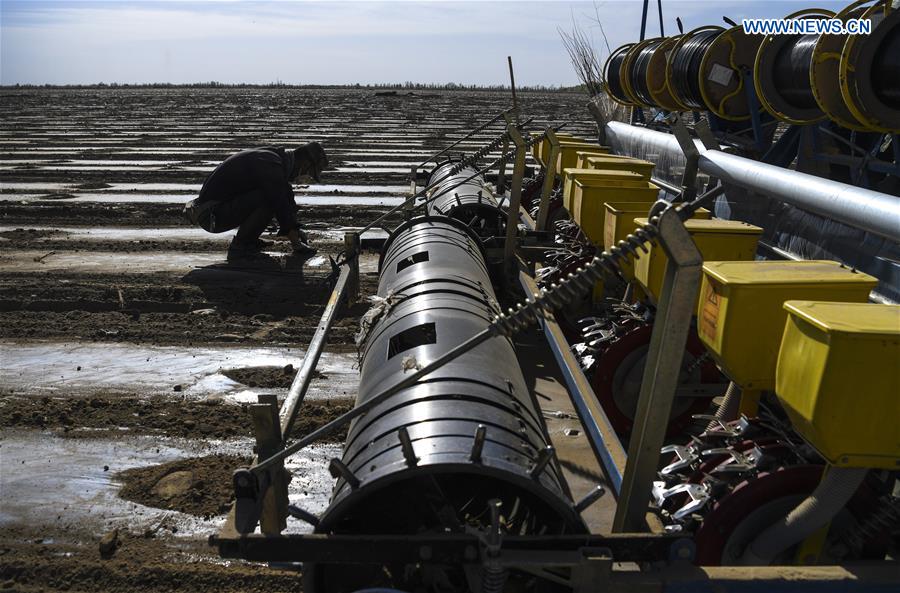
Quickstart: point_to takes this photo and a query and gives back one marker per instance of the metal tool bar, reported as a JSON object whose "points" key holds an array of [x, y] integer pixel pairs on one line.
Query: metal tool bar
{"points": [[662, 371], [515, 193], [549, 180], [603, 438], [483, 126], [864, 209], [300, 384], [456, 548]]}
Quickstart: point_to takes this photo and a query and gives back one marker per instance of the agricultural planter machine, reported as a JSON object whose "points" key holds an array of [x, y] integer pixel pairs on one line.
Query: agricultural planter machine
{"points": [[714, 279]]}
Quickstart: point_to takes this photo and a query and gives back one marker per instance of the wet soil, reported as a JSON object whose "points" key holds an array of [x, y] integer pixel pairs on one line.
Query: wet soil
{"points": [[267, 376], [30, 564], [164, 415], [188, 306], [198, 486]]}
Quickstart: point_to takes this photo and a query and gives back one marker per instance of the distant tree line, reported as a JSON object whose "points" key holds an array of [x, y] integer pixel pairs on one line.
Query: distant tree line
{"points": [[408, 86]]}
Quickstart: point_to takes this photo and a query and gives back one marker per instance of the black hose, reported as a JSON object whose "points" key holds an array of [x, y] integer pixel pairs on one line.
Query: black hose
{"points": [[638, 72], [791, 72], [686, 68], [613, 75], [886, 70]]}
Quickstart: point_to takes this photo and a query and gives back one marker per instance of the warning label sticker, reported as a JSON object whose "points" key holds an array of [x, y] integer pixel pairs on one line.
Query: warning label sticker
{"points": [[709, 314], [720, 74]]}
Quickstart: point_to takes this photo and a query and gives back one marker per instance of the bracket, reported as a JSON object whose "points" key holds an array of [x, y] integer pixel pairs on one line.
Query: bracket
{"points": [[692, 158], [549, 181], [515, 196], [662, 370], [263, 499]]}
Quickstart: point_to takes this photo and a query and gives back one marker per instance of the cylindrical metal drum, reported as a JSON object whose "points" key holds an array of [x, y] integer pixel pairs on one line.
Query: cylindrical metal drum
{"points": [[419, 461], [471, 202]]}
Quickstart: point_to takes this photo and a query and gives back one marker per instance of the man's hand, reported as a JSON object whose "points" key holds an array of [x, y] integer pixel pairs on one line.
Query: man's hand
{"points": [[296, 236], [300, 242]]}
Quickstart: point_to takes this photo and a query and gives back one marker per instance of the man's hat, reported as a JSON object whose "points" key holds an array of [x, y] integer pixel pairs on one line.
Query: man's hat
{"points": [[314, 155]]}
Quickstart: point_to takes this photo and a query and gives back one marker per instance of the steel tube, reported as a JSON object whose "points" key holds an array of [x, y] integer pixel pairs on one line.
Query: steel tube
{"points": [[300, 384], [861, 208]]}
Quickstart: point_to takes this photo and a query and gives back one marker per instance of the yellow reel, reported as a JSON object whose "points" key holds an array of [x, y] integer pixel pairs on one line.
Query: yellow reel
{"points": [[858, 71], [763, 75], [721, 81]]}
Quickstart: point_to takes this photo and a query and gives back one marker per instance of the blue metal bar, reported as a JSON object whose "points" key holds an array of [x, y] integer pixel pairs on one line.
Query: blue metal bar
{"points": [[603, 438]]}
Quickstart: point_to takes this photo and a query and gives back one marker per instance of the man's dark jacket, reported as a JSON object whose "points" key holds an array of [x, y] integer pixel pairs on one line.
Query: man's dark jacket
{"points": [[268, 170]]}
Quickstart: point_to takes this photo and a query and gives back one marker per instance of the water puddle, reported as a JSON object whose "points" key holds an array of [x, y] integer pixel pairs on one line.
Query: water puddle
{"points": [[134, 198], [168, 234], [62, 482], [45, 368], [111, 262]]}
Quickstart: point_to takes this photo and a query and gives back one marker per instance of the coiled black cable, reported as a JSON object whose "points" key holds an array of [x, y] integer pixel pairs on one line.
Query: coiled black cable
{"points": [[791, 72], [886, 70], [638, 74], [613, 74], [686, 67]]}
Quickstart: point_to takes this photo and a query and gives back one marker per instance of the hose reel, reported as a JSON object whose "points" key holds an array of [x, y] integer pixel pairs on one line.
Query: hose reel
{"points": [[851, 79], [781, 73], [870, 70]]}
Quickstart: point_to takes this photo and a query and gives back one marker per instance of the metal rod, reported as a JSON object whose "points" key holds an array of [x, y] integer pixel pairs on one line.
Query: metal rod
{"points": [[512, 85], [600, 433], [644, 20], [662, 29], [302, 379], [492, 121]]}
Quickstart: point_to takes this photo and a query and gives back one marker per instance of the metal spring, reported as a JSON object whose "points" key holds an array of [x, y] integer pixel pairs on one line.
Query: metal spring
{"points": [[565, 292], [493, 579], [480, 153], [882, 519]]}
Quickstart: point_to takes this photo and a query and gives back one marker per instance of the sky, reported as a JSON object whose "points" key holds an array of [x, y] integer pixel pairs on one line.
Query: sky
{"points": [[335, 42]]}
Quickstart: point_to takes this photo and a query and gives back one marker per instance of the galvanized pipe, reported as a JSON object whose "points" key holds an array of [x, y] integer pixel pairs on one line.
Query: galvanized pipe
{"points": [[864, 209], [300, 384]]}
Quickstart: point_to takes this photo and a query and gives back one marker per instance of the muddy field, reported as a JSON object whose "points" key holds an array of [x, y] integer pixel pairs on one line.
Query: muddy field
{"points": [[131, 348]]}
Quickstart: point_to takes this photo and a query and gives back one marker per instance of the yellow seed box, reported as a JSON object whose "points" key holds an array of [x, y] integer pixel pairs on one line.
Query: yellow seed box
{"points": [[838, 378], [740, 317], [590, 194], [595, 176]]}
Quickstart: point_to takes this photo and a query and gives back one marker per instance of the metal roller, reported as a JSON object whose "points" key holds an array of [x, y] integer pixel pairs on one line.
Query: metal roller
{"points": [[433, 456], [471, 202]]}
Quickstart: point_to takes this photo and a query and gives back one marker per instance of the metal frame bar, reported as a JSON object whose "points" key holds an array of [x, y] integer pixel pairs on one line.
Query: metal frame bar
{"points": [[549, 181], [667, 342], [600, 433], [857, 207]]}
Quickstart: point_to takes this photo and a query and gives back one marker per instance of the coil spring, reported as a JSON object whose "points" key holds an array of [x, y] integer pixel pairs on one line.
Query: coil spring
{"points": [[470, 160], [567, 291], [493, 579], [479, 154], [882, 519]]}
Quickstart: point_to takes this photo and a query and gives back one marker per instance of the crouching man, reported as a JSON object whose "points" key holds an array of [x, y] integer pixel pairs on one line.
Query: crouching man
{"points": [[248, 188]]}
